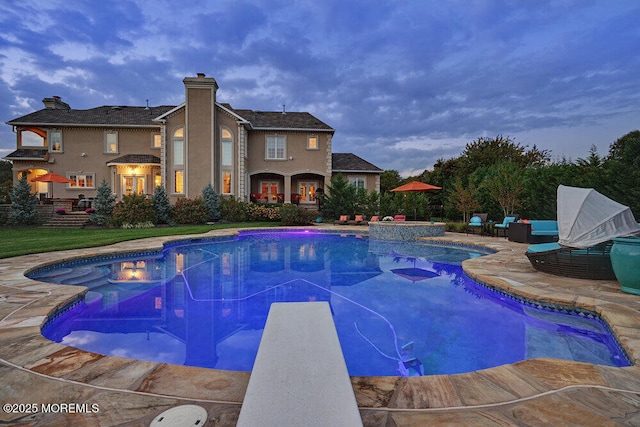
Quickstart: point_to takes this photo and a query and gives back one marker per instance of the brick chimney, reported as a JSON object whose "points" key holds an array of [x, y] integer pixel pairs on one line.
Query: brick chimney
{"points": [[55, 103]]}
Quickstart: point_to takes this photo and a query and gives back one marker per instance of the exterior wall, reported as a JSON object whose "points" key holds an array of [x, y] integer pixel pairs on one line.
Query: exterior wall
{"points": [[372, 181], [84, 152], [298, 158], [200, 138]]}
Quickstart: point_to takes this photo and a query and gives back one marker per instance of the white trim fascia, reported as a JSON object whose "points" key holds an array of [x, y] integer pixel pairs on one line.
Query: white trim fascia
{"points": [[173, 110]]}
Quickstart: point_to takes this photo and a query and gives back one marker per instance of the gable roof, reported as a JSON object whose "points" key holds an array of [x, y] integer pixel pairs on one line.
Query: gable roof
{"points": [[112, 116], [349, 162], [260, 120]]}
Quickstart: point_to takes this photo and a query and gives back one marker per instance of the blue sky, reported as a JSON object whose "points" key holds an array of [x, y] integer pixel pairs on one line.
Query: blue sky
{"points": [[404, 83]]}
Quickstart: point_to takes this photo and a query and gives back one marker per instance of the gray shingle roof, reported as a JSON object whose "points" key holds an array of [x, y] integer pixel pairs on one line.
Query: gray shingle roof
{"points": [[136, 158], [349, 162], [29, 154], [279, 120], [105, 115]]}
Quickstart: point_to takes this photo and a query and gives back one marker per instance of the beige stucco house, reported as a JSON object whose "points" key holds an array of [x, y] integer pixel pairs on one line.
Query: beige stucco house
{"points": [[252, 155]]}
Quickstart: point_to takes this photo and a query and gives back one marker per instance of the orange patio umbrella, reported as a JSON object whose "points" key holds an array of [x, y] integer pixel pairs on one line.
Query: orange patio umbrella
{"points": [[416, 186], [52, 177]]}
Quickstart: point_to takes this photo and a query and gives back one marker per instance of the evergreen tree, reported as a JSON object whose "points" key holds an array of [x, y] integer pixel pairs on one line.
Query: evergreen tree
{"points": [[161, 205], [212, 203], [103, 204], [23, 203], [339, 199]]}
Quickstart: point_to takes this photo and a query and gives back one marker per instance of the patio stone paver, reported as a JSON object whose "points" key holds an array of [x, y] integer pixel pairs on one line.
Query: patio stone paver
{"points": [[131, 392]]}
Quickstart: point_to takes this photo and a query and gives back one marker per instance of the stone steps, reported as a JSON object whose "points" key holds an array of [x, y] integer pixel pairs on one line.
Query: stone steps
{"points": [[70, 220]]}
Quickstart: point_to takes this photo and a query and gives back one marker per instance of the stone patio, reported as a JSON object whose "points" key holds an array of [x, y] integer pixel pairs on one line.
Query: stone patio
{"points": [[106, 391]]}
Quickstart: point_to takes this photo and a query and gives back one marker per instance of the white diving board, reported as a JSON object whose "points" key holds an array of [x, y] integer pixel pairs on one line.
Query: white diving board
{"points": [[299, 377]]}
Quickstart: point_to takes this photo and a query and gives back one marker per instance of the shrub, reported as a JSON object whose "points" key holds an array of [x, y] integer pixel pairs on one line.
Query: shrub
{"points": [[161, 205], [60, 211], [147, 224], [233, 210], [133, 209], [190, 211], [261, 212], [90, 210], [23, 203], [291, 214], [104, 203], [211, 202]]}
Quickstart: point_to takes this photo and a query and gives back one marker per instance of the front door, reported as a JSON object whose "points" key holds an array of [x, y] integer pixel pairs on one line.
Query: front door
{"points": [[307, 191], [132, 185]]}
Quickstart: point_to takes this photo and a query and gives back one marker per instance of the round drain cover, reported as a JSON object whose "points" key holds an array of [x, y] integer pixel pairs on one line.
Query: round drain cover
{"points": [[184, 415]]}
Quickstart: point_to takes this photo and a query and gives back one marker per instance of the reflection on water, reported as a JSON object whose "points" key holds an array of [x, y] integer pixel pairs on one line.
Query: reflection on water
{"points": [[399, 307]]}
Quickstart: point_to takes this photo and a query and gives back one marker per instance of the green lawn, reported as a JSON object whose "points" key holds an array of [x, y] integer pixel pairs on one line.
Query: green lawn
{"points": [[24, 241]]}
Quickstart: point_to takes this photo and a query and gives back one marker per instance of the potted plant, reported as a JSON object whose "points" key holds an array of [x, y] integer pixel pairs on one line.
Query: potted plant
{"points": [[60, 211], [625, 260]]}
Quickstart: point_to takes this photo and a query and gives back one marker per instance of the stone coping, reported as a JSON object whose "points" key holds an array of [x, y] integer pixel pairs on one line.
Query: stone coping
{"points": [[539, 391]]}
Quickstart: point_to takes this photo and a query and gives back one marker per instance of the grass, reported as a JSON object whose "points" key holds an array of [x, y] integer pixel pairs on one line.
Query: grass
{"points": [[24, 241]]}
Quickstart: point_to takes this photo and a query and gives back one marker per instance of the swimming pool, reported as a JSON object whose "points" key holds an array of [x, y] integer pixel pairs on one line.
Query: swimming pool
{"points": [[399, 307]]}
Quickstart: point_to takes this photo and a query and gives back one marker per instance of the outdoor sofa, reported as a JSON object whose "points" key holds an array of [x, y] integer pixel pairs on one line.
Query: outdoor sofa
{"points": [[533, 231]]}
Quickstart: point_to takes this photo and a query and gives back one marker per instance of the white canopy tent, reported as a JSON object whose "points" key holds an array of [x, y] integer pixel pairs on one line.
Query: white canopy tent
{"points": [[586, 218]]}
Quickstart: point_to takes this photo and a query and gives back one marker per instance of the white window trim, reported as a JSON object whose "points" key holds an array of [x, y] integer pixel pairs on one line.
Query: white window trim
{"points": [[352, 178], [317, 143], [266, 148], [153, 140], [50, 141], [84, 174], [181, 167], [226, 168], [106, 142]]}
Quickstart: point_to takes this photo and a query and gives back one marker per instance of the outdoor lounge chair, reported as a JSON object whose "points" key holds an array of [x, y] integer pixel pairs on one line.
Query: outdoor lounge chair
{"points": [[358, 220], [589, 263], [343, 220], [400, 218]]}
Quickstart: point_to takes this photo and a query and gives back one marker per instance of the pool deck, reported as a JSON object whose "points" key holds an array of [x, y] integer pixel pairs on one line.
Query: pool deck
{"points": [[36, 372]]}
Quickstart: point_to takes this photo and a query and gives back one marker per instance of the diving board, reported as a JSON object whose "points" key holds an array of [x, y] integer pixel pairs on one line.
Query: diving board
{"points": [[299, 376]]}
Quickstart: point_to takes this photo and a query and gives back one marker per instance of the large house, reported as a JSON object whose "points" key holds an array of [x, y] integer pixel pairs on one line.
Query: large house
{"points": [[252, 155]]}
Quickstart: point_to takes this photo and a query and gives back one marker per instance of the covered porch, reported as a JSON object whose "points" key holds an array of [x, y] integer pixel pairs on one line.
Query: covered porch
{"points": [[135, 174], [299, 189]]}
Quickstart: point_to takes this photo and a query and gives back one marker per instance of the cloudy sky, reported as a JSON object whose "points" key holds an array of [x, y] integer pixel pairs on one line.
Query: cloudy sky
{"points": [[403, 82]]}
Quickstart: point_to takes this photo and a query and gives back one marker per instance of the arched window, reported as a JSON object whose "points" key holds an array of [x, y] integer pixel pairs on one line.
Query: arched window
{"points": [[177, 160], [33, 138], [226, 139]]}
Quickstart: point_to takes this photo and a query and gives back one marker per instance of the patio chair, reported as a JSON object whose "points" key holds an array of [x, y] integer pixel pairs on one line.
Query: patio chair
{"points": [[477, 222], [358, 220], [504, 225], [343, 220], [590, 263]]}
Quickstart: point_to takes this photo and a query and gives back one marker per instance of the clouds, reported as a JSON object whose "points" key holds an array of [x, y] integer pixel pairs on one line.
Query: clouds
{"points": [[402, 82]]}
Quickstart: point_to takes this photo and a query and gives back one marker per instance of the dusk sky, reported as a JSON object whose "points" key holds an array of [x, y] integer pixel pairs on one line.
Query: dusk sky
{"points": [[403, 83]]}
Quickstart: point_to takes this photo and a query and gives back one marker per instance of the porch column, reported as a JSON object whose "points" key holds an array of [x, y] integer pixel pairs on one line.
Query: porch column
{"points": [[287, 188]]}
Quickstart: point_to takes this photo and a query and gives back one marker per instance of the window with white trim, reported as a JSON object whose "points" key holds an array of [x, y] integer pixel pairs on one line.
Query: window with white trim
{"points": [[81, 180], [226, 139], [312, 143], [55, 141], [276, 147], [177, 143], [357, 181], [156, 140], [111, 142]]}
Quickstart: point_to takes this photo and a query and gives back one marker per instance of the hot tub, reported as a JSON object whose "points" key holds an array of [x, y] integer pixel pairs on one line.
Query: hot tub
{"points": [[405, 230]]}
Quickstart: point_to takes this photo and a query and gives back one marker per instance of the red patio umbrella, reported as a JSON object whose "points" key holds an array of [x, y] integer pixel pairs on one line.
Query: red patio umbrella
{"points": [[51, 177], [416, 186]]}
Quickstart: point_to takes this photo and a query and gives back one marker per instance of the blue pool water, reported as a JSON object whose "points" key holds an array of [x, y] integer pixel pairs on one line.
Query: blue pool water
{"points": [[400, 308]]}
